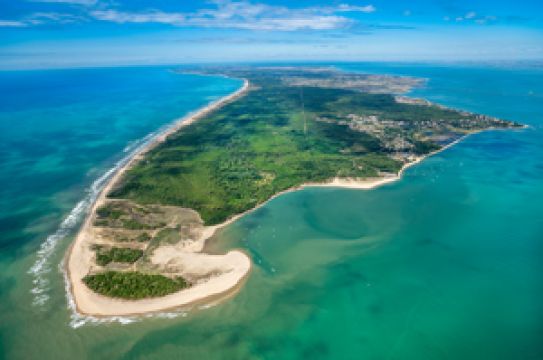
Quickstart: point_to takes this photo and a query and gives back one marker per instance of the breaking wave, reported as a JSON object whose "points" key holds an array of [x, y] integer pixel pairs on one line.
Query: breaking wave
{"points": [[42, 266]]}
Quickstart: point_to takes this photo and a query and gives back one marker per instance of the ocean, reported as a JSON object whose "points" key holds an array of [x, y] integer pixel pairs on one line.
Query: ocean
{"points": [[446, 263]]}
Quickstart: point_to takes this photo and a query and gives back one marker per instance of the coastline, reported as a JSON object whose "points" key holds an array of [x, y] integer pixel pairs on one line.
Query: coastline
{"points": [[78, 256], [349, 183], [236, 263]]}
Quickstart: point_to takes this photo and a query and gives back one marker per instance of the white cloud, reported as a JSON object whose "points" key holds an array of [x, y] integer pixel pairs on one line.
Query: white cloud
{"points": [[149, 17], [485, 20], [364, 9], [39, 18], [313, 22], [231, 14], [472, 16], [75, 2], [243, 15], [52, 17], [12, 23]]}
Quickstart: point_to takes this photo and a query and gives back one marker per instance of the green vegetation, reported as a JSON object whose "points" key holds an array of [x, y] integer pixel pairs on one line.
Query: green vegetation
{"points": [[280, 136], [109, 211], [120, 255], [168, 236], [133, 285], [143, 237], [126, 215], [293, 127]]}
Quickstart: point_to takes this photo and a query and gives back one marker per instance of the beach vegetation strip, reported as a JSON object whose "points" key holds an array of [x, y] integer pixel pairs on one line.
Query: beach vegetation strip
{"points": [[133, 285], [104, 256]]}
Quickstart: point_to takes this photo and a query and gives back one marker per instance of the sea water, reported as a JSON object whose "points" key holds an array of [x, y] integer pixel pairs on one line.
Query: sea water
{"points": [[446, 263]]}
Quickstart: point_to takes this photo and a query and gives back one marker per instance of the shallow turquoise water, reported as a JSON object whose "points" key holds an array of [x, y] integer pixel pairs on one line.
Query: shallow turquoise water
{"points": [[445, 264]]}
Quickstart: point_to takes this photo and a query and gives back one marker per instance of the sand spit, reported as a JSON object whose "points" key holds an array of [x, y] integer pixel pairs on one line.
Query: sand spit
{"points": [[219, 274]]}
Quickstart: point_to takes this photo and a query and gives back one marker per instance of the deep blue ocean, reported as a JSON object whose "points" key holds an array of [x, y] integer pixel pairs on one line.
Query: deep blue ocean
{"points": [[446, 263]]}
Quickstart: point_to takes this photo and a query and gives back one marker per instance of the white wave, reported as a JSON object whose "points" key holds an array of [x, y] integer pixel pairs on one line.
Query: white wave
{"points": [[208, 306], [42, 265], [77, 320], [136, 143], [168, 315]]}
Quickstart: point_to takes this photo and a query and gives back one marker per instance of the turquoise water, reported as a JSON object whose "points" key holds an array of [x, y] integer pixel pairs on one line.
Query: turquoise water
{"points": [[445, 264]]}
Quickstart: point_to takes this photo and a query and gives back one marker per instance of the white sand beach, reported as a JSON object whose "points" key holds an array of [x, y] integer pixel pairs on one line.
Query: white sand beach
{"points": [[228, 270]]}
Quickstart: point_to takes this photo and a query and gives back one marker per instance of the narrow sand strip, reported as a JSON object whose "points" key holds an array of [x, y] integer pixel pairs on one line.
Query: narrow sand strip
{"points": [[230, 269]]}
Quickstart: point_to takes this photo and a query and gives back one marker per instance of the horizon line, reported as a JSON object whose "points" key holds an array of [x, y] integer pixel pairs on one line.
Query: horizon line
{"points": [[533, 62]]}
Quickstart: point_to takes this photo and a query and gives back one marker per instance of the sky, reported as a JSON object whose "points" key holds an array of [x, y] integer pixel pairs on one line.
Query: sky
{"points": [[73, 33]]}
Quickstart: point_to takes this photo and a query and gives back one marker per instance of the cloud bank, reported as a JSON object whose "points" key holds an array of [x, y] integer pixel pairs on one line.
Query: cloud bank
{"points": [[220, 14]]}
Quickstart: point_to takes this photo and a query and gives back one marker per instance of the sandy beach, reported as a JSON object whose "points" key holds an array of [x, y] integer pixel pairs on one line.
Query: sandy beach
{"points": [[229, 270]]}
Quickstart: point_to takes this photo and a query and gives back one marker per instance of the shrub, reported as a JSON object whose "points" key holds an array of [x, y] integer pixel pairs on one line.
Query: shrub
{"points": [[133, 285], [115, 254]]}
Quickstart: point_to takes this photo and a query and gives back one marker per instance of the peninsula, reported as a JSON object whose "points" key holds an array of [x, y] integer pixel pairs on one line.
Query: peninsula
{"points": [[142, 247]]}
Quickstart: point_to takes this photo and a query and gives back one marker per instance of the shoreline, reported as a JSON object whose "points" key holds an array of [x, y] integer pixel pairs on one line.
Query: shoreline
{"points": [[352, 183], [78, 256], [215, 289]]}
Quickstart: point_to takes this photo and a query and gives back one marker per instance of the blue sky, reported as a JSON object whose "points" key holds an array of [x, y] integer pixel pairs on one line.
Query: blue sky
{"points": [[64, 33]]}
